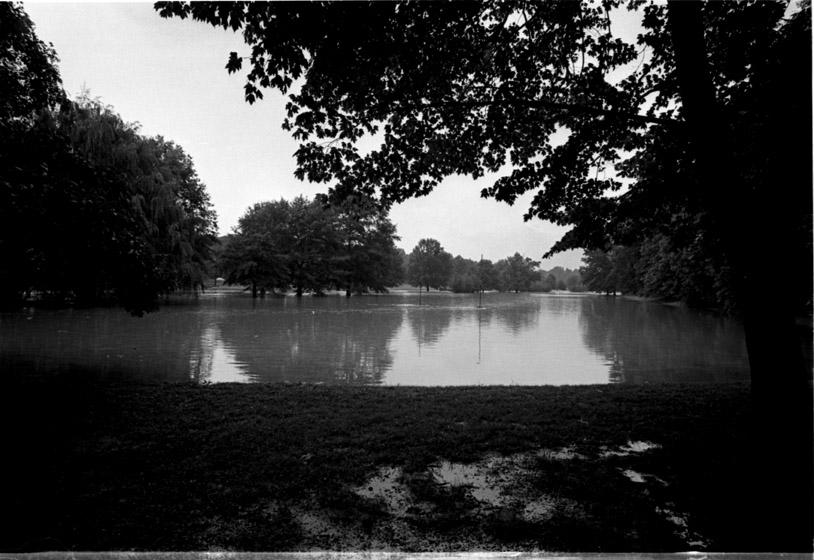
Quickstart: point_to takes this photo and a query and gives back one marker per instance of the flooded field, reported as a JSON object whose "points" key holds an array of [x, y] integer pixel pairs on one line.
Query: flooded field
{"points": [[395, 339]]}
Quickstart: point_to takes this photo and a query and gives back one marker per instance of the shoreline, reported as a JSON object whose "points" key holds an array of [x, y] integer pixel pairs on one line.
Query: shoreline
{"points": [[309, 467]]}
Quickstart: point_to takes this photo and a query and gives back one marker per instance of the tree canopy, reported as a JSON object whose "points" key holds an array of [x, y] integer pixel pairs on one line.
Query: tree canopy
{"points": [[90, 210], [310, 246], [29, 77], [429, 265]]}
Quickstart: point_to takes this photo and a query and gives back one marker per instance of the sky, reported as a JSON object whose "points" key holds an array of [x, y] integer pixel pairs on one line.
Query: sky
{"points": [[169, 75]]}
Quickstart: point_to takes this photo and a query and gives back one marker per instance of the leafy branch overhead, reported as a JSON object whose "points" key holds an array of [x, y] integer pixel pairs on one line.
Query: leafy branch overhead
{"points": [[548, 94], [448, 89]]}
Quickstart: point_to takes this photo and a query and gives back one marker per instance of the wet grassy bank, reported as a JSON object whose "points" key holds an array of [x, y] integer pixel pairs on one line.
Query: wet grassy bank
{"points": [[271, 467]]}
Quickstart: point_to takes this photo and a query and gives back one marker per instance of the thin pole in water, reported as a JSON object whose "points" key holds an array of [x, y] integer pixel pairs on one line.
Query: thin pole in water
{"points": [[479, 351], [480, 290]]}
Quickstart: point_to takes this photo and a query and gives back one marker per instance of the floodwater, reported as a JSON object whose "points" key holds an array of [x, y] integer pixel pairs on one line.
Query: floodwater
{"points": [[393, 339]]}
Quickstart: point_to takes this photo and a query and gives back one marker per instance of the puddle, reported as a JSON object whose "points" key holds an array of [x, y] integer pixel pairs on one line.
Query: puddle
{"points": [[636, 476], [315, 524], [682, 529], [561, 454], [632, 447], [499, 484], [485, 486], [386, 487], [633, 475], [539, 510], [502, 484]]}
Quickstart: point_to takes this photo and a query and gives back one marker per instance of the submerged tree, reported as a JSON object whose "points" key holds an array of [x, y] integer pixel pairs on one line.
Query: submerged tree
{"points": [[255, 254], [429, 265], [707, 114], [367, 258], [516, 273], [310, 246]]}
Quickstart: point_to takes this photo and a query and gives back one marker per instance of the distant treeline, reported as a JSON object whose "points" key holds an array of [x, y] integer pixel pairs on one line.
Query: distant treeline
{"points": [[313, 246], [429, 266]]}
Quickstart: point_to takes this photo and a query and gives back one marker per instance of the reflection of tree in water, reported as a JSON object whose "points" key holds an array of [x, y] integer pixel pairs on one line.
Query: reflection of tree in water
{"points": [[517, 316], [104, 342], [428, 324], [649, 342], [313, 344], [513, 312]]}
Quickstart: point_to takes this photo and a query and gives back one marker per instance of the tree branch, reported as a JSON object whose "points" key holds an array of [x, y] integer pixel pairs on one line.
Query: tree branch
{"points": [[546, 104]]}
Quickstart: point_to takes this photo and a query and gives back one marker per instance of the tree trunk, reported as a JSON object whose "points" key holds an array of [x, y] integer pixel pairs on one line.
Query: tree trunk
{"points": [[254, 289], [750, 227]]}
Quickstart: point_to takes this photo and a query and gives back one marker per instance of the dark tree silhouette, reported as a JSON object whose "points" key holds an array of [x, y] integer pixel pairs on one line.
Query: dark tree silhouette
{"points": [[90, 210]]}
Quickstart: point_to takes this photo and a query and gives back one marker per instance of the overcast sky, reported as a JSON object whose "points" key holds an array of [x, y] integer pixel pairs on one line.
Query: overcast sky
{"points": [[169, 76]]}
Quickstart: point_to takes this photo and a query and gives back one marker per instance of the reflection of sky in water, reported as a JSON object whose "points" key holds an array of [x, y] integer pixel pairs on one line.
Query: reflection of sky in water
{"points": [[502, 344], [213, 362], [513, 339]]}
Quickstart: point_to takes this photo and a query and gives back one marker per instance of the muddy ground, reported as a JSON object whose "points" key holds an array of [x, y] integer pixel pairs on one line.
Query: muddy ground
{"points": [[273, 467]]}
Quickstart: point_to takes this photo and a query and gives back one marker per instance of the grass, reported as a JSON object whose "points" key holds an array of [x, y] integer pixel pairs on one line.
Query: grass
{"points": [[272, 467]]}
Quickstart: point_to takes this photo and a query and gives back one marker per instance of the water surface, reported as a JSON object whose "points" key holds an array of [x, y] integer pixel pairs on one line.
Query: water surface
{"points": [[443, 339]]}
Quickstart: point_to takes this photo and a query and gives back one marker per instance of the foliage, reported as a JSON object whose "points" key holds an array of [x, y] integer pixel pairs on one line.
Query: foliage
{"points": [[367, 259], [93, 211], [429, 265], [611, 271], [516, 273], [657, 268], [471, 276], [311, 246], [254, 254], [29, 78], [90, 210]]}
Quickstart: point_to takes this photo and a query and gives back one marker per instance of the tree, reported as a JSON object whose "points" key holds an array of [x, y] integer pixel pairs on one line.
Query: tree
{"points": [[464, 275], [93, 212], [255, 254], [29, 78], [610, 271], [310, 246], [487, 275], [192, 232], [430, 266], [518, 272], [548, 88], [367, 259], [169, 218], [90, 210], [311, 241], [574, 283], [29, 85], [657, 267]]}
